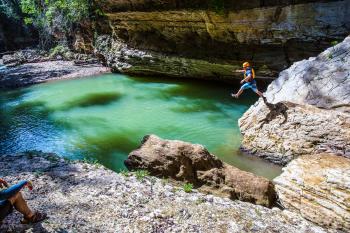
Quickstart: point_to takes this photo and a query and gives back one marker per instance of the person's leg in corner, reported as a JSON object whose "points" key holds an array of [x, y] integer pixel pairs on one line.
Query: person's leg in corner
{"points": [[21, 205]]}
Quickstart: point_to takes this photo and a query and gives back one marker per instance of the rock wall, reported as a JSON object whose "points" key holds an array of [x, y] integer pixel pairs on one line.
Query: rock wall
{"points": [[182, 38], [318, 188], [320, 121]]}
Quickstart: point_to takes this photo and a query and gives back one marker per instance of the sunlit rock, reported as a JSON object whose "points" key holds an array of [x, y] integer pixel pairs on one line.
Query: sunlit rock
{"points": [[317, 187], [194, 164]]}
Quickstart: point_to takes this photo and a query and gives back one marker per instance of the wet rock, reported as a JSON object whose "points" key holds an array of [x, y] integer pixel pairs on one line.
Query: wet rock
{"points": [[39, 72], [80, 197], [194, 164], [318, 188], [318, 119]]}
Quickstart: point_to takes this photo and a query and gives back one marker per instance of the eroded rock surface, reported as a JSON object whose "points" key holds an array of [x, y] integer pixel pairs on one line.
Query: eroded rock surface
{"points": [[318, 187], [32, 73], [80, 197], [208, 39], [194, 164], [317, 92]]}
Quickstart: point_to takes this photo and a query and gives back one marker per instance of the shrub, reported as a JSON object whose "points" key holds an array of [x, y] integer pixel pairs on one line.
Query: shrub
{"points": [[187, 187], [55, 17], [141, 174]]}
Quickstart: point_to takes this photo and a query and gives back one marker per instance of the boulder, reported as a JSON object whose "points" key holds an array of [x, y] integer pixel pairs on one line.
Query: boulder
{"points": [[318, 187], [193, 163], [318, 119]]}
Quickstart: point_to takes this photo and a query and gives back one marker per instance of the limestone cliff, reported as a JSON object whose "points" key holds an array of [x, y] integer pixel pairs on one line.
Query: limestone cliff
{"points": [[319, 119], [210, 38], [318, 188]]}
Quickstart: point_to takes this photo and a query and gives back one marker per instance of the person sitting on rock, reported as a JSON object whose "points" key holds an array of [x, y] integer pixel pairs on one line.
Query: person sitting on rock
{"points": [[11, 197], [249, 80]]}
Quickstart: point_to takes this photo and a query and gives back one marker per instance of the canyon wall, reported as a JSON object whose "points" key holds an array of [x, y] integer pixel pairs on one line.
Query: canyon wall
{"points": [[208, 39]]}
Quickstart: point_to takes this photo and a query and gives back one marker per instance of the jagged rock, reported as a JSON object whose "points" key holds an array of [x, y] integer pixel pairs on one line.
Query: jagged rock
{"points": [[80, 197], [318, 187], [200, 40], [323, 82], [194, 164], [307, 130], [24, 56], [32, 73]]}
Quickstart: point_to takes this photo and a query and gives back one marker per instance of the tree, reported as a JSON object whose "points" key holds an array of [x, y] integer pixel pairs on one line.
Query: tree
{"points": [[55, 19]]}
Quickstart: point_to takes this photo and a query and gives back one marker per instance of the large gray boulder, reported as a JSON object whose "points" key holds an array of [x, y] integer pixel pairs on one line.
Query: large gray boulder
{"points": [[317, 94], [192, 163]]}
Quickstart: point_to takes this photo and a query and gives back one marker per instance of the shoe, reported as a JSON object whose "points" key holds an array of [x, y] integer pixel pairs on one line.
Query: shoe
{"points": [[37, 217]]}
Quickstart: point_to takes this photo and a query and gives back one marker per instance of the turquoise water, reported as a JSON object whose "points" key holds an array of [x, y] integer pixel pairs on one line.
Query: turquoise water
{"points": [[105, 118]]}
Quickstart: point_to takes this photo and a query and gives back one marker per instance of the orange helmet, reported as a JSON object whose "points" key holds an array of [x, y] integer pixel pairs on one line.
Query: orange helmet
{"points": [[246, 64]]}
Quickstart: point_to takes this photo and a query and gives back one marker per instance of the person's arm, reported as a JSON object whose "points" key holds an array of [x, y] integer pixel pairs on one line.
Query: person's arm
{"points": [[247, 78], [13, 190], [238, 71]]}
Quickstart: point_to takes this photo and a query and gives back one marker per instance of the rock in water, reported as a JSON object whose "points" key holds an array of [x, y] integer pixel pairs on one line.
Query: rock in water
{"points": [[194, 164], [318, 187], [318, 119]]}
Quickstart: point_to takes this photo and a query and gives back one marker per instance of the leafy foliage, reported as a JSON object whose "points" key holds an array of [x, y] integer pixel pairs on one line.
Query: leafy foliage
{"points": [[55, 17], [141, 174], [217, 5], [10, 9], [187, 187]]}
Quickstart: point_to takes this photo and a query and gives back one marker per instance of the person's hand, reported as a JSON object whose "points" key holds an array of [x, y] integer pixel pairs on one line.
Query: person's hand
{"points": [[29, 185], [3, 184], [242, 81], [238, 71]]}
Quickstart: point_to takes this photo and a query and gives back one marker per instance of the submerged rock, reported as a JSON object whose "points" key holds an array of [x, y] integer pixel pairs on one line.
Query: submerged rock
{"points": [[194, 164], [322, 82], [318, 187], [80, 197]]}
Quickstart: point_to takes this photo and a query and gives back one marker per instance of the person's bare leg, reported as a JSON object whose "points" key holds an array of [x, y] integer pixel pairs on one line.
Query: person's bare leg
{"points": [[21, 205], [238, 93], [259, 93]]}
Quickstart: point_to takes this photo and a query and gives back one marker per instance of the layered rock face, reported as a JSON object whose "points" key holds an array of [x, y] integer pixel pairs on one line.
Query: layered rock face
{"points": [[323, 82], [318, 187], [210, 38], [193, 163]]}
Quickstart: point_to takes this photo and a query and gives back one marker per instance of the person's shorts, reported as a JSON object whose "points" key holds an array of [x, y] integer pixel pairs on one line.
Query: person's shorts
{"points": [[5, 209], [250, 85]]}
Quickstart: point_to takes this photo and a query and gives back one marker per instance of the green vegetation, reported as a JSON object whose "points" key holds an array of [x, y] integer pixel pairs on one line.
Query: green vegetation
{"points": [[218, 6], [55, 17], [141, 174], [124, 172], [187, 187], [10, 9], [334, 42]]}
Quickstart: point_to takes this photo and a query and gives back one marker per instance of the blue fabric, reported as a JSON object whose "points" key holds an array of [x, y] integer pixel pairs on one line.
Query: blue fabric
{"points": [[11, 191], [248, 72], [251, 85]]}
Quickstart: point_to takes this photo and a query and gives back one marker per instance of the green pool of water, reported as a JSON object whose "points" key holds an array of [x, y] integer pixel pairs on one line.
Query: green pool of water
{"points": [[105, 118]]}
